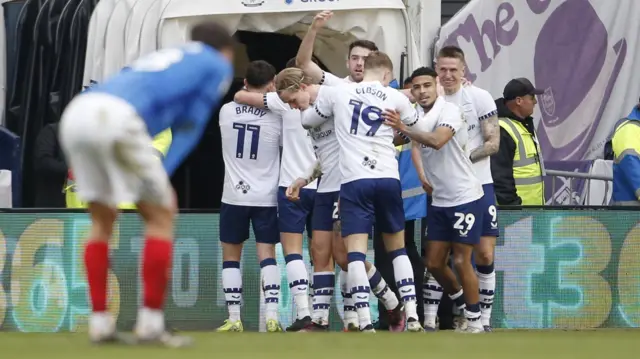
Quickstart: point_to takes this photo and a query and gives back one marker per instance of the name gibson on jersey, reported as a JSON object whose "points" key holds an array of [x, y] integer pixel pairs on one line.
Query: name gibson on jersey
{"points": [[372, 91]]}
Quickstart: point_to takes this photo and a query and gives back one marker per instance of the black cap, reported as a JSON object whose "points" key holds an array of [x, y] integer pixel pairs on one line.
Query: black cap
{"points": [[518, 88]]}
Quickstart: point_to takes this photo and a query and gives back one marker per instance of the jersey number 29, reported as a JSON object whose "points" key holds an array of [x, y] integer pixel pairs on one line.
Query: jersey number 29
{"points": [[255, 137], [371, 115]]}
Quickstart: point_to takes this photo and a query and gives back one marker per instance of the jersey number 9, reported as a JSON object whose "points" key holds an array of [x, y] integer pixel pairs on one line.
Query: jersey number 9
{"points": [[370, 115]]}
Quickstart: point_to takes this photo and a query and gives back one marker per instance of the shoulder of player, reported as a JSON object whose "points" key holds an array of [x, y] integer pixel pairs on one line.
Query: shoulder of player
{"points": [[450, 109], [478, 93]]}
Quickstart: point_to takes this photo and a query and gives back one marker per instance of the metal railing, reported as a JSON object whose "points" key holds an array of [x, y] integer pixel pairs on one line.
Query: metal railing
{"points": [[571, 176]]}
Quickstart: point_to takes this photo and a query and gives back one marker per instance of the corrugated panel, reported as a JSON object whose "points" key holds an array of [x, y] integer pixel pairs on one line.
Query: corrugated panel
{"points": [[450, 8]]}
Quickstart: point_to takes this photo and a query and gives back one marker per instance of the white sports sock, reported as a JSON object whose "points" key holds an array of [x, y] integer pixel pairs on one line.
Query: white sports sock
{"points": [[298, 284], [487, 284], [381, 290], [432, 295], [403, 273], [350, 315], [232, 286], [271, 287], [323, 283], [360, 288]]}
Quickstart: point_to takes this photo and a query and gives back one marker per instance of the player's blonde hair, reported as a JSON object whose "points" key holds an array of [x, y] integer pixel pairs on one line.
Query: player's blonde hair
{"points": [[291, 79], [378, 60]]}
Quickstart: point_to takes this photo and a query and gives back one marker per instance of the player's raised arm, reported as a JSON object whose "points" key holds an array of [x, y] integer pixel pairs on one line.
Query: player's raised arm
{"points": [[488, 118], [305, 52], [269, 101]]}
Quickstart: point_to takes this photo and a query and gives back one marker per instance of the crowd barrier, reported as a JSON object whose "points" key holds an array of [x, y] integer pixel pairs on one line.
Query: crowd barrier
{"points": [[555, 269]]}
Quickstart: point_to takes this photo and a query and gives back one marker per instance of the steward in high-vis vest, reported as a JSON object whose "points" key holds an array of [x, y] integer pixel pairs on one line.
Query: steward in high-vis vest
{"points": [[161, 143], [517, 168], [626, 163], [413, 196]]}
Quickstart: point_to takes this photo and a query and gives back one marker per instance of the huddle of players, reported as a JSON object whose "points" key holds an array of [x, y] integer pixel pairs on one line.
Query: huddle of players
{"points": [[352, 125]]}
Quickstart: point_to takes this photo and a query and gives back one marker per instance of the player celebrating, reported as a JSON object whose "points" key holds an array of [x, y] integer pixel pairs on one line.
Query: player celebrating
{"points": [[251, 154], [456, 216], [294, 88], [480, 112], [370, 186], [106, 133], [293, 217]]}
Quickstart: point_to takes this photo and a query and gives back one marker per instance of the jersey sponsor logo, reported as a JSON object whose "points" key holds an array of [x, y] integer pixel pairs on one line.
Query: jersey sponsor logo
{"points": [[318, 133]]}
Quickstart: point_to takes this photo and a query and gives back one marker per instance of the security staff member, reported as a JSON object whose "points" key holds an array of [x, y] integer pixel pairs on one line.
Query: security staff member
{"points": [[517, 167], [626, 164], [161, 143]]}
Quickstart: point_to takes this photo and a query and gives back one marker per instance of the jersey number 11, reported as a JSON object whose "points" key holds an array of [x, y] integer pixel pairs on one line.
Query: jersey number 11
{"points": [[255, 137]]}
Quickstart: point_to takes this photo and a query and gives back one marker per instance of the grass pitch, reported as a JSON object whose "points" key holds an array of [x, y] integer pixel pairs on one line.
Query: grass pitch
{"points": [[511, 344]]}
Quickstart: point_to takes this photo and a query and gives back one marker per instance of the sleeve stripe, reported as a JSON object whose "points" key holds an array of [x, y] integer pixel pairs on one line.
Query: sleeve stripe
{"points": [[322, 79], [403, 136], [416, 118], [318, 112], [447, 126], [490, 114], [264, 101]]}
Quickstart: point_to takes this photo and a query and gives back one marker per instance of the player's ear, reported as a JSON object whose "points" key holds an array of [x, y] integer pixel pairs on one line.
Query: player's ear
{"points": [[245, 83]]}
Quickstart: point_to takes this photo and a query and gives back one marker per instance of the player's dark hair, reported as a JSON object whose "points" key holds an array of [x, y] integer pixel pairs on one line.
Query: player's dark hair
{"points": [[452, 52], [212, 34], [423, 71], [260, 73], [407, 81], [366, 44]]}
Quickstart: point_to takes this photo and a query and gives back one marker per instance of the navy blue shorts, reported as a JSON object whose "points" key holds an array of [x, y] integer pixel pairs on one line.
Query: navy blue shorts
{"points": [[293, 217], [235, 220], [488, 205], [325, 211], [366, 202], [459, 224]]}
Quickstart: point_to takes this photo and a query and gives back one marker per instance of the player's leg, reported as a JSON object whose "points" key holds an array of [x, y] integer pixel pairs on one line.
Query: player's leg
{"points": [[292, 217], [484, 255], [234, 230], [467, 230], [88, 150], [390, 220], [439, 278], [350, 316], [265, 229], [357, 213]]}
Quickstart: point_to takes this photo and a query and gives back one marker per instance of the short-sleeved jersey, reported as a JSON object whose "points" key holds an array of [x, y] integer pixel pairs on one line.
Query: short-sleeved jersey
{"points": [[329, 79], [477, 105], [175, 88], [366, 143], [297, 150], [251, 154], [449, 169]]}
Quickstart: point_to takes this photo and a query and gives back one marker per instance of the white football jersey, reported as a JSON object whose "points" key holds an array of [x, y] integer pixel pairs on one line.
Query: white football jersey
{"points": [[251, 154], [329, 79], [327, 147], [449, 169], [297, 150], [366, 143], [477, 105]]}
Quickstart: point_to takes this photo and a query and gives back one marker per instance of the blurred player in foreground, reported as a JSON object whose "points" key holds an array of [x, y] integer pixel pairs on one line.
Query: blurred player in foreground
{"points": [[295, 88], [293, 217], [370, 187], [251, 153], [480, 112], [455, 220], [106, 136]]}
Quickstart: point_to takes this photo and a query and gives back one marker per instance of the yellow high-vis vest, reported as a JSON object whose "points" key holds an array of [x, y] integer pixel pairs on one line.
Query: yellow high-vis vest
{"points": [[161, 143], [527, 163]]}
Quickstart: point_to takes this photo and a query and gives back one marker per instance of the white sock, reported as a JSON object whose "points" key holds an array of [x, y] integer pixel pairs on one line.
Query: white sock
{"points": [[359, 287], [271, 287], [298, 284], [149, 323], [472, 314], [487, 284], [350, 315], [381, 290], [232, 286], [432, 295], [458, 302], [403, 272], [323, 283]]}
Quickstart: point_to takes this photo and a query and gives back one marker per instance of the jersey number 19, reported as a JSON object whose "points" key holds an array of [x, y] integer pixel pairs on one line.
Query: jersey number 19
{"points": [[370, 115]]}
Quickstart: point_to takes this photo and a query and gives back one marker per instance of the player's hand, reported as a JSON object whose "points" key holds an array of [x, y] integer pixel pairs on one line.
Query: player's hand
{"points": [[426, 186], [321, 19], [392, 118], [293, 192], [303, 100]]}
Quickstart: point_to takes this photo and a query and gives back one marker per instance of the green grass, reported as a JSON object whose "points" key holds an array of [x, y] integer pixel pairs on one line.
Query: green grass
{"points": [[512, 344]]}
